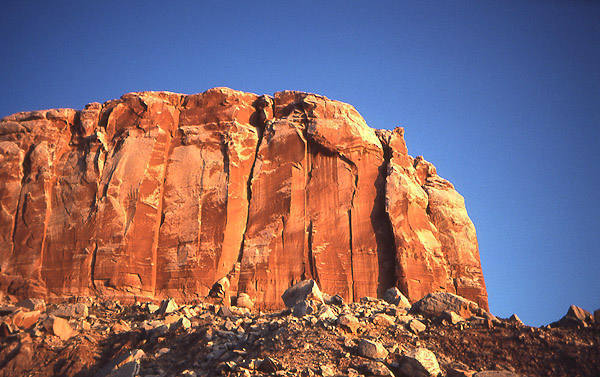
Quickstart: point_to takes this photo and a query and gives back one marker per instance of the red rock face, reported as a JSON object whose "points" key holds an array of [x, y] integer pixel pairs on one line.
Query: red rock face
{"points": [[160, 194]]}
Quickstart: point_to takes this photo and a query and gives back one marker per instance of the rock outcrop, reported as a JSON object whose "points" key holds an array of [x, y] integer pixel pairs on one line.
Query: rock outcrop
{"points": [[159, 194]]}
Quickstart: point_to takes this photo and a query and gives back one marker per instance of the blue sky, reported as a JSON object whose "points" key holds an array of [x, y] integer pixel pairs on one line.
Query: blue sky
{"points": [[502, 96]]}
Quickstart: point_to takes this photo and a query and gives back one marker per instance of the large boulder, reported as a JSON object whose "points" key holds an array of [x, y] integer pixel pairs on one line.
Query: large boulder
{"points": [[32, 304], [420, 362], [25, 319], [372, 349], [302, 291], [59, 326], [395, 297], [76, 311], [244, 301], [167, 306], [435, 304], [349, 322], [220, 288]]}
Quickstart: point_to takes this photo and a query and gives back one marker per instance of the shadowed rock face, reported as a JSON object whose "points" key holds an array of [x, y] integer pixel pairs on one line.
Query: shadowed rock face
{"points": [[160, 194]]}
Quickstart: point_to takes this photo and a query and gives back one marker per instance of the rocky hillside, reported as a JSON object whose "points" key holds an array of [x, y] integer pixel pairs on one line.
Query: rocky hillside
{"points": [[316, 335], [159, 195]]}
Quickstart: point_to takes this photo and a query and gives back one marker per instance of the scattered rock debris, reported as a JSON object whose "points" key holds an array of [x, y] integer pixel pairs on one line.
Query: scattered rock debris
{"points": [[86, 337]]}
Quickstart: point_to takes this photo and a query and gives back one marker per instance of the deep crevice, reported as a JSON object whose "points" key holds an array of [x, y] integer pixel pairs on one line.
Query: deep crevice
{"points": [[311, 259], [351, 251], [93, 266], [354, 171], [259, 121], [156, 243], [26, 164], [384, 231], [225, 152]]}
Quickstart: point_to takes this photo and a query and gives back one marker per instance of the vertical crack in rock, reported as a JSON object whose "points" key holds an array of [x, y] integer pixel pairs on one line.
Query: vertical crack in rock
{"points": [[225, 140], [260, 124], [354, 170], [311, 259], [49, 193], [385, 236], [49, 186], [93, 266], [283, 232], [26, 168], [161, 218], [351, 251], [200, 204]]}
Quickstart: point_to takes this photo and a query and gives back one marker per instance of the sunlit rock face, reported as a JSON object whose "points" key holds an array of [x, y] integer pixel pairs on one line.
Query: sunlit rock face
{"points": [[160, 194]]}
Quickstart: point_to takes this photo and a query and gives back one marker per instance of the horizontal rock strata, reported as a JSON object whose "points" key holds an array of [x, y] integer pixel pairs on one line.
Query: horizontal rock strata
{"points": [[159, 194]]}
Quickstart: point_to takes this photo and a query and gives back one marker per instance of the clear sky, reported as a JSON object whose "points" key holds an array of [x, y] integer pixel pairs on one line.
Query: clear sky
{"points": [[502, 96]]}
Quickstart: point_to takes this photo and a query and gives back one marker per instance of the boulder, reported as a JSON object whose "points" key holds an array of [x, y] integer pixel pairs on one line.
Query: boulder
{"points": [[336, 300], [381, 319], [58, 326], [515, 319], [120, 327], [302, 291], [376, 368], [451, 317], [349, 322], [303, 308], [6, 329], [416, 326], [33, 304], [152, 308], [597, 316], [244, 301], [371, 349], [489, 316], [405, 319], [7, 309], [76, 311], [25, 320], [269, 365], [326, 314], [457, 369], [480, 321], [328, 370], [225, 311], [420, 362], [434, 304], [220, 288], [184, 323], [496, 373], [126, 365], [395, 297], [167, 306], [172, 318]]}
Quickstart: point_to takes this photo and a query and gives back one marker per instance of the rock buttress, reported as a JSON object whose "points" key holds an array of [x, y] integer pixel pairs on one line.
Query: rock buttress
{"points": [[160, 194]]}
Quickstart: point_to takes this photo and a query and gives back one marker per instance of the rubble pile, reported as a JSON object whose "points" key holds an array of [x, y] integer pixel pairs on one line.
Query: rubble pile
{"points": [[316, 335]]}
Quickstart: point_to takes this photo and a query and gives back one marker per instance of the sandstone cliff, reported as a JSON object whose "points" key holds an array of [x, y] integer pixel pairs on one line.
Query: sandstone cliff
{"points": [[160, 194]]}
